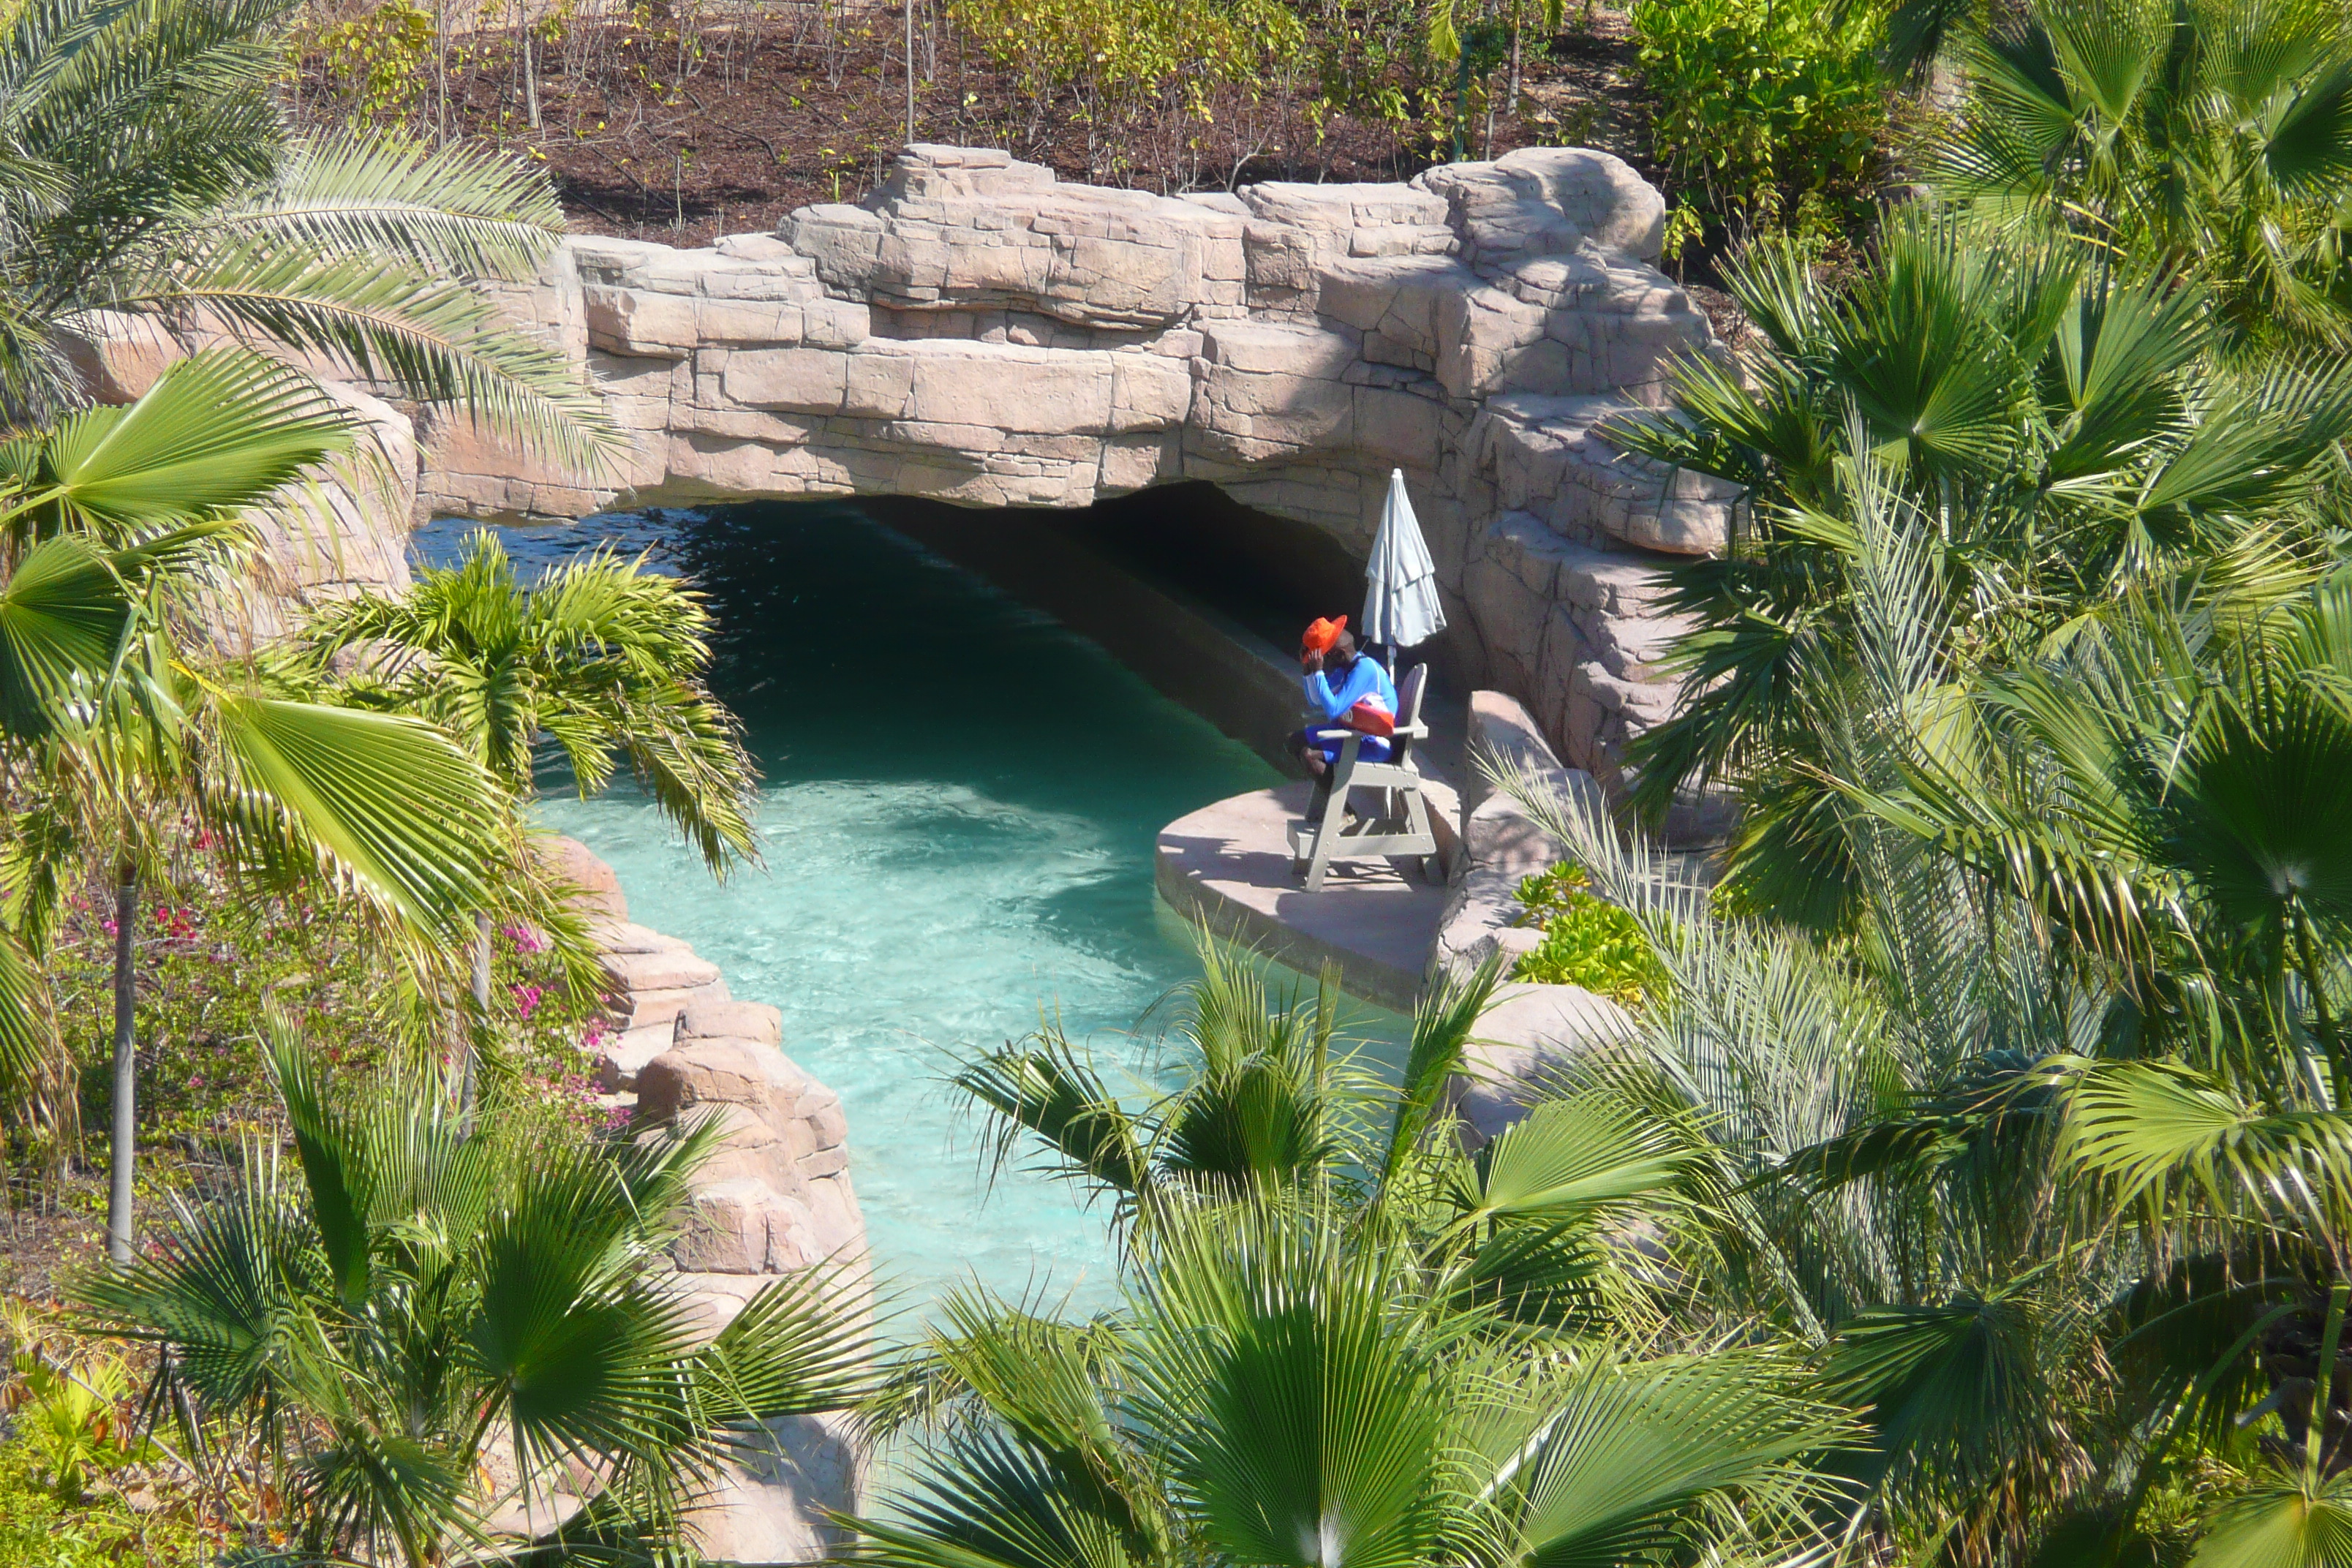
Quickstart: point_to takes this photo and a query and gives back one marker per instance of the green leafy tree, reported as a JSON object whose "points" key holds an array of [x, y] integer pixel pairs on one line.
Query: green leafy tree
{"points": [[120, 720], [2057, 433], [2210, 142], [422, 1300], [600, 656], [1772, 116]]}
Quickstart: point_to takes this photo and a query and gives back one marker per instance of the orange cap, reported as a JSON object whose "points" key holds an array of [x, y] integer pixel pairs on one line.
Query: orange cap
{"points": [[1320, 636]]}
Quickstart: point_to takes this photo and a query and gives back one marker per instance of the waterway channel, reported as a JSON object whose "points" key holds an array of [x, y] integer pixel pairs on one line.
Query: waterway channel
{"points": [[960, 804]]}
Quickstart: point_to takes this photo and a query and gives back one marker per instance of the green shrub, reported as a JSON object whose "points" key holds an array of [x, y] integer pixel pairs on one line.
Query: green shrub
{"points": [[1586, 942], [1775, 113], [210, 960], [36, 1531]]}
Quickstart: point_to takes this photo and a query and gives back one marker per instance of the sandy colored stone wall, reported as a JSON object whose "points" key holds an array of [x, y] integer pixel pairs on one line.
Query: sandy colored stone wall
{"points": [[979, 333], [776, 1199]]}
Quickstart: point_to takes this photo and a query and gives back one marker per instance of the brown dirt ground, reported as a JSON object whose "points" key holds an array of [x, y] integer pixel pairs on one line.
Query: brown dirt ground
{"points": [[772, 121]]}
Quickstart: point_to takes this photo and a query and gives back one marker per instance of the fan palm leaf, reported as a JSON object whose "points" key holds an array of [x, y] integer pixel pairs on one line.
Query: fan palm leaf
{"points": [[1635, 1456], [2292, 1522], [218, 433], [424, 1295], [383, 806]]}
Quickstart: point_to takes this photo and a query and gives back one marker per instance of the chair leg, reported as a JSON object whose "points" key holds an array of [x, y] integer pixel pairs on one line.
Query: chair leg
{"points": [[1327, 832], [1416, 821], [1416, 812], [1316, 800]]}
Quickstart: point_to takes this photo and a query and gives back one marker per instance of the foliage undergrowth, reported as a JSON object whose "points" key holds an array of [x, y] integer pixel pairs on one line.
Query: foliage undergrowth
{"points": [[212, 960], [1586, 941], [36, 1531], [1774, 114], [75, 1456], [1157, 68]]}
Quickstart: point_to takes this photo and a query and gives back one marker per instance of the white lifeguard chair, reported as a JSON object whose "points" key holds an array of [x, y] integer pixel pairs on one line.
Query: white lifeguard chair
{"points": [[1401, 827]]}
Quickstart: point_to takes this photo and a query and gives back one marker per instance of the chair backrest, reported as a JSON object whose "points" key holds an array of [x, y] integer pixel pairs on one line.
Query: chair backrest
{"points": [[1409, 693]]}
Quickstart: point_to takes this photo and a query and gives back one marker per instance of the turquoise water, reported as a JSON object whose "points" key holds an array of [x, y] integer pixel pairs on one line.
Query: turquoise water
{"points": [[959, 808]]}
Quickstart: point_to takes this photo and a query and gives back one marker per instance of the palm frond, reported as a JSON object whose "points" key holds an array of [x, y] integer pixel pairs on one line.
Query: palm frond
{"points": [[801, 1346], [1637, 1458], [218, 432], [454, 210], [436, 341], [1444, 1021], [1044, 1088], [382, 806]]}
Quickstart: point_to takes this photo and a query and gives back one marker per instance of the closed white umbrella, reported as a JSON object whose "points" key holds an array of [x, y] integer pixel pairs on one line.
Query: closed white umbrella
{"points": [[1401, 605]]}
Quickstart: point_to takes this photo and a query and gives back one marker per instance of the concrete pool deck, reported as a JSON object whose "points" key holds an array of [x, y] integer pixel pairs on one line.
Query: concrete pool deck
{"points": [[1228, 866]]}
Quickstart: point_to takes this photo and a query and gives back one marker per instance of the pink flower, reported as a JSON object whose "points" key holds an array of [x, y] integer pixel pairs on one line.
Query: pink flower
{"points": [[526, 1001]]}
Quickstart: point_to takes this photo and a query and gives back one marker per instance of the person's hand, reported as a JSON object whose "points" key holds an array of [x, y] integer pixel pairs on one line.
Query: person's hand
{"points": [[1312, 663]]}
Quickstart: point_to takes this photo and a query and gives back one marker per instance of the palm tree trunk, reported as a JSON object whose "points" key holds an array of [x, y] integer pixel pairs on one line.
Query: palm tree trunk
{"points": [[1518, 28], [126, 1063], [529, 62], [481, 1016]]}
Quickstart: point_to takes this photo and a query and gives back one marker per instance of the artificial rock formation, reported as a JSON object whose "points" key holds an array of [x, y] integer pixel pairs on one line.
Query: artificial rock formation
{"points": [[977, 331], [774, 1200], [1534, 1031]]}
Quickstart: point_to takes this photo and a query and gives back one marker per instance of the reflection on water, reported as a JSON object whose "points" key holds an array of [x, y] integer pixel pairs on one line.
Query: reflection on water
{"points": [[960, 802]]}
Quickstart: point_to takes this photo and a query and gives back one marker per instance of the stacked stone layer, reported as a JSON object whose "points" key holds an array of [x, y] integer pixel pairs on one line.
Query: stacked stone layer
{"points": [[776, 1199]]}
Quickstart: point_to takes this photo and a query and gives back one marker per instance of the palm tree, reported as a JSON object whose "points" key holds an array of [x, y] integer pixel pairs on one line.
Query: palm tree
{"points": [[120, 527], [424, 1303], [2164, 794], [2045, 1159], [2207, 140], [1341, 1339], [1280, 1387], [151, 169], [2058, 432], [599, 654]]}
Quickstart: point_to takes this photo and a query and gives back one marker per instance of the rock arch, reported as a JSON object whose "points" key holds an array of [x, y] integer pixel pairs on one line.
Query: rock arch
{"points": [[977, 331]]}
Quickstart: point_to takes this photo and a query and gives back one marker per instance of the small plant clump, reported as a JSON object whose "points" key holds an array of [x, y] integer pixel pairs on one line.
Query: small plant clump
{"points": [[82, 1485], [1586, 941]]}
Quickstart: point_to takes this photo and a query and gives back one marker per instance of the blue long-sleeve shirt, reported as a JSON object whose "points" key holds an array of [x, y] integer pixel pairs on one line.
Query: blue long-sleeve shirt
{"points": [[1364, 678]]}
